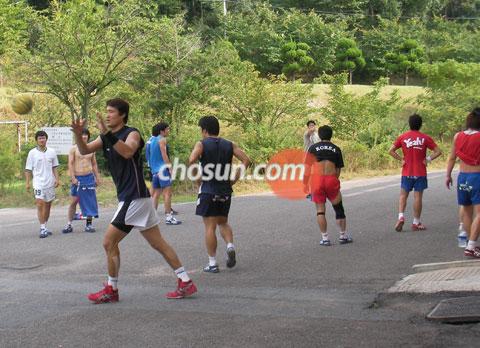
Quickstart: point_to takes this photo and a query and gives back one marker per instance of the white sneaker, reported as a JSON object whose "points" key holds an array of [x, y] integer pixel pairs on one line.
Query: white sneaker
{"points": [[170, 220]]}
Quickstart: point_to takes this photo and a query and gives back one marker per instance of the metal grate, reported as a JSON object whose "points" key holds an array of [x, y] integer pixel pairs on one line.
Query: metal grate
{"points": [[457, 310]]}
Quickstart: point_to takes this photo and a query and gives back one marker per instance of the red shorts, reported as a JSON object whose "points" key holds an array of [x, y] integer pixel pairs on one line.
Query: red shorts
{"points": [[323, 187]]}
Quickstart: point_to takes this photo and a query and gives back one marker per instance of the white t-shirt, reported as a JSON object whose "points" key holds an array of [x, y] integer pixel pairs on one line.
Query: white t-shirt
{"points": [[41, 165]]}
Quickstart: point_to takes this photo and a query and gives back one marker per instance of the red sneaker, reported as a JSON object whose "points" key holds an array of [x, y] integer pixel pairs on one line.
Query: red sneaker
{"points": [[472, 253], [418, 227], [183, 290], [106, 295], [399, 224]]}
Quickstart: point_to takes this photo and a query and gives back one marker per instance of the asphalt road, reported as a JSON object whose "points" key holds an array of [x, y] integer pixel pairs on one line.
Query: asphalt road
{"points": [[286, 290]]}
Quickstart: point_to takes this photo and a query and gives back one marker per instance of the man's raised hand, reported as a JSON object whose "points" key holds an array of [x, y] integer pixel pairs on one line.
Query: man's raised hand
{"points": [[77, 126]]}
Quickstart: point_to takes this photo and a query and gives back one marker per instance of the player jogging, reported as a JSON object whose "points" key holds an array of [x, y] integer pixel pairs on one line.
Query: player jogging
{"points": [[215, 193], [323, 164], [466, 146], [42, 163], [414, 145], [122, 146]]}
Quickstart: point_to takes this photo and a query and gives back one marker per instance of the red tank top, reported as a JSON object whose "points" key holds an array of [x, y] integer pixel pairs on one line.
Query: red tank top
{"points": [[467, 147]]}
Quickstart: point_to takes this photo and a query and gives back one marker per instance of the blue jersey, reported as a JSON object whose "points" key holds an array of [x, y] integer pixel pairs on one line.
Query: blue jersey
{"points": [[154, 155]]}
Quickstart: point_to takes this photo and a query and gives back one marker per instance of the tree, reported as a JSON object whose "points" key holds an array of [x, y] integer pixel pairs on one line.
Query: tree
{"points": [[405, 59], [83, 48], [349, 57], [296, 59]]}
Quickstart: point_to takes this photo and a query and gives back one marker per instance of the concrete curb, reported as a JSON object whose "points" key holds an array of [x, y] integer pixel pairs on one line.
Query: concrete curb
{"points": [[428, 267]]}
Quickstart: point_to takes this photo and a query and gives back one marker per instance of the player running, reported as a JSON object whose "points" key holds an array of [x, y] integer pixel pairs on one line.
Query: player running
{"points": [[122, 146], [323, 164], [466, 146], [414, 145], [215, 193], [84, 178], [42, 163]]}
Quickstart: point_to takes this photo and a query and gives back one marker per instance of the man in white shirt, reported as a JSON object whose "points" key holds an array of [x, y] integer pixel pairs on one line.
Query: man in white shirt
{"points": [[42, 163], [310, 136]]}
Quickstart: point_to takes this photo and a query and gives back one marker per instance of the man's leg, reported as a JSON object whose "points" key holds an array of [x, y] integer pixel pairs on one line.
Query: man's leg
{"points": [[186, 286], [167, 199], [112, 238], [46, 211], [70, 214], [227, 235], [156, 192], [41, 212], [402, 205], [417, 211], [341, 219], [467, 218], [322, 223], [472, 246], [210, 223]]}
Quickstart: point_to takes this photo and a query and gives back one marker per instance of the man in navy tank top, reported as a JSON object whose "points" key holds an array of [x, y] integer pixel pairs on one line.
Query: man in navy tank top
{"points": [[215, 192], [122, 146]]}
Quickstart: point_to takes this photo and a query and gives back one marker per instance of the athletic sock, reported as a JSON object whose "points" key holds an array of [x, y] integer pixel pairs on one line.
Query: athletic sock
{"points": [[230, 246], [168, 216], [400, 216], [43, 226], [112, 281], [69, 223], [461, 227], [212, 261], [416, 221], [89, 220], [343, 234], [182, 275], [324, 236], [472, 244]]}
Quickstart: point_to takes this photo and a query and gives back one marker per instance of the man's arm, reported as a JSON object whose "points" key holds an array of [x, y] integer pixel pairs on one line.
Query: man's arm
{"points": [[196, 153], [436, 153], [71, 166], [393, 152], [451, 163], [55, 174], [28, 179], [242, 157], [95, 169], [163, 150]]}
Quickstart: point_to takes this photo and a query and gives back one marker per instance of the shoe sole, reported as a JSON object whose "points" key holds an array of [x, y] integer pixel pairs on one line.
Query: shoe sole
{"points": [[399, 226], [216, 271], [345, 241], [173, 224], [231, 261]]}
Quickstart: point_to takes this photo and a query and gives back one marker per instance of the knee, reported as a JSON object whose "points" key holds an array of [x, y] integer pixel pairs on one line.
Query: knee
{"points": [[109, 246], [339, 210]]}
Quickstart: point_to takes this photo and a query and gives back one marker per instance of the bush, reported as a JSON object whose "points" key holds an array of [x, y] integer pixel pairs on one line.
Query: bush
{"points": [[8, 156]]}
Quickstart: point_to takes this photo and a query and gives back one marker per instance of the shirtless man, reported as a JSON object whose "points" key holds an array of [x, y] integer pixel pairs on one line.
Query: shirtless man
{"points": [[323, 164], [466, 146], [84, 177]]}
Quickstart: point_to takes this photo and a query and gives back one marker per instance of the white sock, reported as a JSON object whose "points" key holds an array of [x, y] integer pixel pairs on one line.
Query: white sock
{"points": [[212, 261], [472, 244], [168, 216], [343, 234], [182, 275], [400, 216], [112, 281], [69, 223], [416, 221], [230, 245], [461, 227], [324, 236], [43, 226]]}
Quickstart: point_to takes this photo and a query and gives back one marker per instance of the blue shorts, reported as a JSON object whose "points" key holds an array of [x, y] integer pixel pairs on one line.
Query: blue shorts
{"points": [[158, 183], [468, 189], [83, 180], [417, 183]]}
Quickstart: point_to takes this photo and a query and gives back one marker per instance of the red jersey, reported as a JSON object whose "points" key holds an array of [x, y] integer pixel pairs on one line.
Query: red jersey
{"points": [[467, 147], [414, 146]]}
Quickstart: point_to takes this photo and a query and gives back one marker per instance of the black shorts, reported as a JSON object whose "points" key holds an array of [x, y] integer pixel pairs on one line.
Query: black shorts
{"points": [[213, 205]]}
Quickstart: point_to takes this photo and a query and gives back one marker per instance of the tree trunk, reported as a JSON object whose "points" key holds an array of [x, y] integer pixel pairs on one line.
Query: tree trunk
{"points": [[405, 78], [350, 76]]}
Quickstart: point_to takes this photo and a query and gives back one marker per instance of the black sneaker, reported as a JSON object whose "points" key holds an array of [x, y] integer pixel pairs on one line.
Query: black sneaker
{"points": [[89, 229], [345, 240], [67, 229], [231, 261], [211, 269]]}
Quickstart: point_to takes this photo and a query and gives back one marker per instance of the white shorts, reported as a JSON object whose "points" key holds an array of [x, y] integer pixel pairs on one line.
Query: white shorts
{"points": [[46, 194], [138, 213]]}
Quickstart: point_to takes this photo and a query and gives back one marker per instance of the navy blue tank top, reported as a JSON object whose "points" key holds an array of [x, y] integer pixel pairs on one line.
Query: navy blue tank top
{"points": [[217, 152], [127, 174]]}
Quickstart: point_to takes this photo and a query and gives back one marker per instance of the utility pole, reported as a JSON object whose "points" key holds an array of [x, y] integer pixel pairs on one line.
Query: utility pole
{"points": [[224, 7]]}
